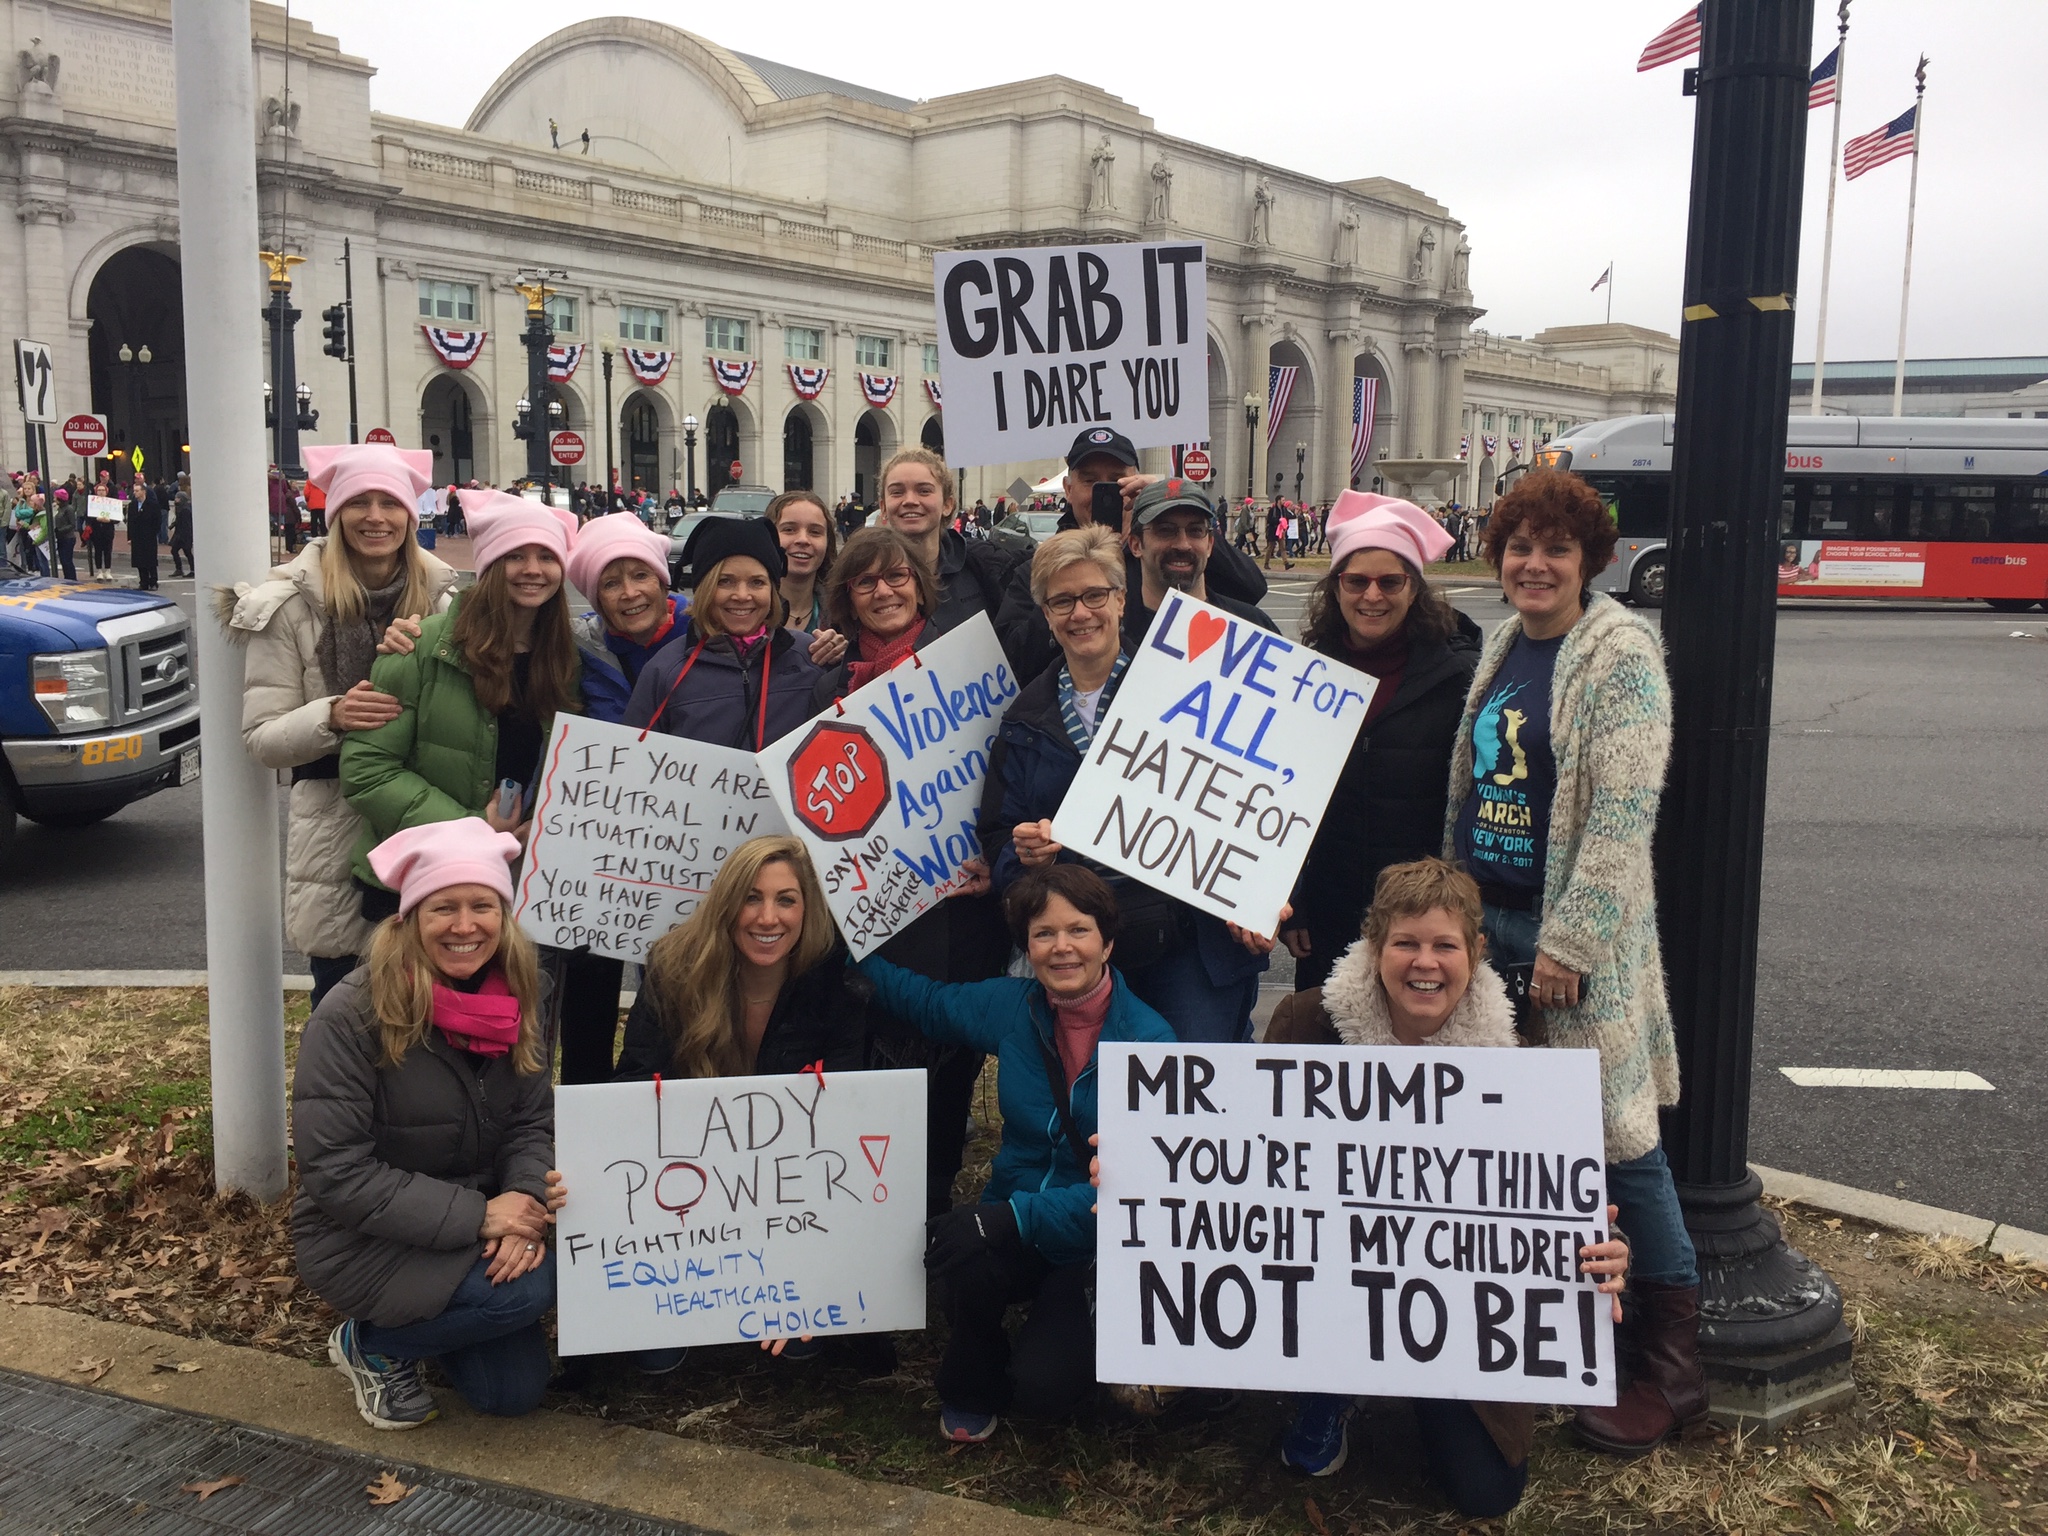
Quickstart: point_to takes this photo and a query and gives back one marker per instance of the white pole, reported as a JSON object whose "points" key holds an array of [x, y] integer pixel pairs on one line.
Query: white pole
{"points": [[1827, 243], [224, 385], [1610, 293], [1912, 199]]}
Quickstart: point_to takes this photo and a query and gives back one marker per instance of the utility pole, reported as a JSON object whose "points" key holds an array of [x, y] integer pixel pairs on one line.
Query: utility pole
{"points": [[1912, 202], [1771, 1335], [340, 332], [216, 97]]}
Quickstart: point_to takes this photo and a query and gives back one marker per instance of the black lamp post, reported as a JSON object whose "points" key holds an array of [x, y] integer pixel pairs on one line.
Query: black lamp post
{"points": [[610, 474], [1771, 1333], [538, 336], [1300, 460], [690, 459], [281, 318], [131, 379], [1251, 443]]}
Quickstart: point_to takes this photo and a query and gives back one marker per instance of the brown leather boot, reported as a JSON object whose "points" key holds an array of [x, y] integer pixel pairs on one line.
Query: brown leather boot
{"points": [[1669, 1391]]}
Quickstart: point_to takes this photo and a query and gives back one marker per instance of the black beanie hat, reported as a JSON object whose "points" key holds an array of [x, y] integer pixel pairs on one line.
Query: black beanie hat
{"points": [[717, 537]]}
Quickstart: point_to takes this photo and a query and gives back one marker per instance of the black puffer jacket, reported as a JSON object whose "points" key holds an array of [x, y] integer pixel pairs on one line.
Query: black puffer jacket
{"points": [[821, 1015], [1388, 807], [396, 1163]]}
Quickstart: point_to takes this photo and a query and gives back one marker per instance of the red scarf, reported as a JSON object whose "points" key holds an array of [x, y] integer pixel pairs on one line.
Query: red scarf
{"points": [[485, 1021], [1077, 1025], [879, 656]]}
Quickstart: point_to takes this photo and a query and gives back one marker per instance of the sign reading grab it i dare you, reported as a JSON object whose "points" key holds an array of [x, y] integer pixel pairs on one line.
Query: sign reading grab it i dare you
{"points": [[1037, 343]]}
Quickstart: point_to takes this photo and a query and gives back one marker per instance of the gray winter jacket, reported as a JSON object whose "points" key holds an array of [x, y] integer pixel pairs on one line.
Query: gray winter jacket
{"points": [[397, 1163]]}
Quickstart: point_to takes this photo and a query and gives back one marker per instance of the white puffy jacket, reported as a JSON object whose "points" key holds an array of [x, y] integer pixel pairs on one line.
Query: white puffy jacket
{"points": [[285, 711]]}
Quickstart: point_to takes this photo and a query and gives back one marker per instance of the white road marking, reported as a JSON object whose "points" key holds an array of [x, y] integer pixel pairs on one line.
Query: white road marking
{"points": [[1877, 1077]]}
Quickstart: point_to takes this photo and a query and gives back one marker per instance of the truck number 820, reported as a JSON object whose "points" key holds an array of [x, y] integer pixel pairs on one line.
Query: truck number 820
{"points": [[115, 749]]}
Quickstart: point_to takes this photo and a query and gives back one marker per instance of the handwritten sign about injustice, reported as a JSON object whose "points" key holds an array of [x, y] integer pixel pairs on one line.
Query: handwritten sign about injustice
{"points": [[1210, 774], [627, 834], [885, 787], [725, 1210], [1385, 1221], [1039, 343]]}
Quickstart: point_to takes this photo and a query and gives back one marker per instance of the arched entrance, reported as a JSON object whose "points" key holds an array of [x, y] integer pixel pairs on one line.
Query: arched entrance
{"points": [[641, 434], [1291, 445], [447, 430], [721, 447], [797, 443], [934, 436], [137, 302], [1370, 365], [872, 442]]}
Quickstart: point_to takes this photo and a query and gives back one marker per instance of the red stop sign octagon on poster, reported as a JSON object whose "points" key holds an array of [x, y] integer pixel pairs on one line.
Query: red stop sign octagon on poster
{"points": [[838, 781]]}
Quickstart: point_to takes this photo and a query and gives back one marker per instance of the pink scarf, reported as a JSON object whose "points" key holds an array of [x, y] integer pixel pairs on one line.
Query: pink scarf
{"points": [[878, 656], [485, 1021], [1077, 1025]]}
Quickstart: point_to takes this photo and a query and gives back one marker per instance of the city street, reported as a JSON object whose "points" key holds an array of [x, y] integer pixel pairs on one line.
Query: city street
{"points": [[1902, 896]]}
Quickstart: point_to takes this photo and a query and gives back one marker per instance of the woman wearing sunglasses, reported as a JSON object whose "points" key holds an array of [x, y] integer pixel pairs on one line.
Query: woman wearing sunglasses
{"points": [[1374, 611]]}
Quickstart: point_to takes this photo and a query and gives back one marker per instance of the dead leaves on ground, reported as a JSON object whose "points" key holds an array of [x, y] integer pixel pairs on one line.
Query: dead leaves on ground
{"points": [[208, 1489], [92, 1370], [385, 1488]]}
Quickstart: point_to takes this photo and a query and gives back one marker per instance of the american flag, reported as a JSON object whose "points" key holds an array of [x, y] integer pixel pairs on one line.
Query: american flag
{"points": [[1675, 42], [1894, 139], [1279, 390], [1365, 399], [1602, 278], [1827, 74]]}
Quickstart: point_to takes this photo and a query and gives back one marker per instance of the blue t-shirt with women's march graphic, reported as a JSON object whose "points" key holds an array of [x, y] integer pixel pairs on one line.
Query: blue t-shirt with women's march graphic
{"points": [[1504, 825]]}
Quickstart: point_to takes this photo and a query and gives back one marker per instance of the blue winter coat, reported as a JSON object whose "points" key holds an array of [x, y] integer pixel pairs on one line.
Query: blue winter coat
{"points": [[720, 701], [612, 664], [1035, 1172]]}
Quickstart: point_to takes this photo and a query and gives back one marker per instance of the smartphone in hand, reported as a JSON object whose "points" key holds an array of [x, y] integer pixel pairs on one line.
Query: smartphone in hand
{"points": [[1106, 505], [510, 795]]}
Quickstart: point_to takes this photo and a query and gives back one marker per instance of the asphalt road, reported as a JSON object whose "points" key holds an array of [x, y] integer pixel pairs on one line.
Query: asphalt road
{"points": [[1905, 854]]}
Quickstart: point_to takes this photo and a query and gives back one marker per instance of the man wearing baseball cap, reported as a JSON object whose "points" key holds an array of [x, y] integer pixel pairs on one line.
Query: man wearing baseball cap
{"points": [[1102, 456], [1173, 538]]}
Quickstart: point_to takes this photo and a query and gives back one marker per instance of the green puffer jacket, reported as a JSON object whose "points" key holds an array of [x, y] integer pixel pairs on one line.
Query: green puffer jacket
{"points": [[438, 760]]}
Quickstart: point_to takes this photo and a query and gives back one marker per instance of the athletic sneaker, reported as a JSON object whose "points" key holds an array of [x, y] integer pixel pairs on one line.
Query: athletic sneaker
{"points": [[1321, 1437], [389, 1393], [963, 1426]]}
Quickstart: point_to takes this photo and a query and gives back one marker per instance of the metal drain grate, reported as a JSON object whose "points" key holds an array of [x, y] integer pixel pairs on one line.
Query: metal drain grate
{"points": [[80, 1463]]}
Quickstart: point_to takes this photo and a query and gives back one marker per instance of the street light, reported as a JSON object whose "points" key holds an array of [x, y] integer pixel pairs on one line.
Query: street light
{"points": [[522, 417], [610, 472], [309, 419], [269, 405], [1251, 447], [690, 458], [1300, 459]]}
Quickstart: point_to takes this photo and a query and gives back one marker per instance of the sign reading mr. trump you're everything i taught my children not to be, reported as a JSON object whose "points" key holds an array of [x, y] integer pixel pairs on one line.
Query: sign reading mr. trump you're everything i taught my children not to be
{"points": [[1210, 773]]}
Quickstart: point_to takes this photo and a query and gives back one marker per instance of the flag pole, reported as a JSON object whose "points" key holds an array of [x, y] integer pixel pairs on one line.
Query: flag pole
{"points": [[1912, 199], [1827, 242], [1610, 292]]}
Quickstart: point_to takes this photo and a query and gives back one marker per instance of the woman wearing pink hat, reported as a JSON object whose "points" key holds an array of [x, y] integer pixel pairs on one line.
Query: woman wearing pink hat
{"points": [[311, 632], [477, 694], [1375, 611], [620, 566], [423, 1123]]}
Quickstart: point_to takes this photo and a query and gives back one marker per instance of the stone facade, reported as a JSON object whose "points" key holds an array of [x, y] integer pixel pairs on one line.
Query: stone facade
{"points": [[716, 188]]}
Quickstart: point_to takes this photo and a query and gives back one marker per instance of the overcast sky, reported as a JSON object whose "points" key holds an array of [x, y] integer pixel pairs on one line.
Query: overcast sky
{"points": [[1539, 134]]}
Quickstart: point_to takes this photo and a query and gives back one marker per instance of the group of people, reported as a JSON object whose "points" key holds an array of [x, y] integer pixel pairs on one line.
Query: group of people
{"points": [[47, 527], [1481, 876]]}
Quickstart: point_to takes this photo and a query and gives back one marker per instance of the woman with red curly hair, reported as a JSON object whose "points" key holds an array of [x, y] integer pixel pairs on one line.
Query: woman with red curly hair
{"points": [[1556, 772]]}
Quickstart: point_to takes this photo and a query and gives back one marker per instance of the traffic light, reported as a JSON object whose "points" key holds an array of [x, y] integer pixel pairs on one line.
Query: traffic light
{"points": [[335, 330]]}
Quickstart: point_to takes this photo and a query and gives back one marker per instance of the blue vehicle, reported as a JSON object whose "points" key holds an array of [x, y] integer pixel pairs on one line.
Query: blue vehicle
{"points": [[98, 704]]}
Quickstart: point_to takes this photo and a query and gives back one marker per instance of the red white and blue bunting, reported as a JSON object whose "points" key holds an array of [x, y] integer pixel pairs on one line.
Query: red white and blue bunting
{"points": [[1515, 446], [563, 361], [808, 379], [1279, 390], [732, 377], [1489, 442], [458, 349], [649, 368], [931, 390], [878, 389], [1465, 446]]}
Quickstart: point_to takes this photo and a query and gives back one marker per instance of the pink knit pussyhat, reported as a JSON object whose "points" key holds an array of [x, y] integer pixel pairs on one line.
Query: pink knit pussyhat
{"points": [[419, 861], [1360, 520], [499, 524], [346, 470], [615, 536]]}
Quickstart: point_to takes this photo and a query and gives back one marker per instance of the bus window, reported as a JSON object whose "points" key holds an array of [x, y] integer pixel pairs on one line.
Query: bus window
{"points": [[2023, 515], [1947, 510], [1831, 508], [1639, 504]]}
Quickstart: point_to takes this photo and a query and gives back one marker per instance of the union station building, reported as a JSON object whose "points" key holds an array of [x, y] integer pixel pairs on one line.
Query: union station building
{"points": [[751, 243]]}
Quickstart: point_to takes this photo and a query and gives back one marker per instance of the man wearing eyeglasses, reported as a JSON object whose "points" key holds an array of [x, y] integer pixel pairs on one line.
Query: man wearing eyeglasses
{"points": [[1173, 539]]}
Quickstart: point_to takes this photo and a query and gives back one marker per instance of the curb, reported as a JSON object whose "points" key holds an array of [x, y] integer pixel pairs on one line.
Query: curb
{"points": [[126, 979], [1903, 1215]]}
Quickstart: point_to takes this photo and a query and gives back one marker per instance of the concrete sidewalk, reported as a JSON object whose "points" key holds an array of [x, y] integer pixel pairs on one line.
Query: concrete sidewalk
{"points": [[559, 1455]]}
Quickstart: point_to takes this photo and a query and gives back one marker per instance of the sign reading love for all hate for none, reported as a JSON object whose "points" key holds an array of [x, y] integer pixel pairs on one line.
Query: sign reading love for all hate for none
{"points": [[1036, 344], [731, 1210], [884, 788], [1209, 775], [1355, 1220], [628, 832]]}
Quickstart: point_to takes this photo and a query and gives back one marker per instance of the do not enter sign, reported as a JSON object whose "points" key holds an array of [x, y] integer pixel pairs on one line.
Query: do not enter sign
{"points": [[737, 469], [85, 436], [565, 447], [1194, 464], [380, 435], [838, 781]]}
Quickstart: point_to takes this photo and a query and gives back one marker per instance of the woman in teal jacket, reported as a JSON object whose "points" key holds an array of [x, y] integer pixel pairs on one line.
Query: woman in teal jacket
{"points": [[1032, 1239]]}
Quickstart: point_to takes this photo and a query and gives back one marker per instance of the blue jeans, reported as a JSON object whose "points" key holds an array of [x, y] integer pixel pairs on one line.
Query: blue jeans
{"points": [[1660, 1249], [488, 1340], [1178, 989]]}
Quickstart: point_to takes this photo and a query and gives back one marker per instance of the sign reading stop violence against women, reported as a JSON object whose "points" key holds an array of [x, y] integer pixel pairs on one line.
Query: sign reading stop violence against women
{"points": [[627, 833], [884, 788], [1037, 343], [1386, 1220], [1210, 773], [723, 1210]]}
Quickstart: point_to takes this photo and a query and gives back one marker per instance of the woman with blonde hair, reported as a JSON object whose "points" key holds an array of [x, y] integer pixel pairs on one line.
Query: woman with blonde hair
{"points": [[312, 631], [423, 1124]]}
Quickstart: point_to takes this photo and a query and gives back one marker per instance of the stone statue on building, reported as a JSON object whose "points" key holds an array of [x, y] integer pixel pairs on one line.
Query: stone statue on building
{"points": [[279, 118], [1461, 266], [1103, 162], [1347, 238], [1162, 191], [1262, 212], [1425, 253], [38, 67]]}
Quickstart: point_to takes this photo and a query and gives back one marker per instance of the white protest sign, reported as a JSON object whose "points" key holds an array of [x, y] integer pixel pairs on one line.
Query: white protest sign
{"points": [[628, 833], [1039, 342], [885, 788], [724, 1209], [1210, 773], [1385, 1221], [106, 509]]}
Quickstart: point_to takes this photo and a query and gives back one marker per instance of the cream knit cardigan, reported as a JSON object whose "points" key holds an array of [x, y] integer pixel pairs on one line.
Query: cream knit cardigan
{"points": [[1610, 731]]}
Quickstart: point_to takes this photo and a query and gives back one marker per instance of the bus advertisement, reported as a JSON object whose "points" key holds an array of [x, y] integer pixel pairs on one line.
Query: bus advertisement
{"points": [[1874, 506]]}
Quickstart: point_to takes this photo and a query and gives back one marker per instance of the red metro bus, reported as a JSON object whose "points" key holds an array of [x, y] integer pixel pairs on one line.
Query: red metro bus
{"points": [[1874, 506]]}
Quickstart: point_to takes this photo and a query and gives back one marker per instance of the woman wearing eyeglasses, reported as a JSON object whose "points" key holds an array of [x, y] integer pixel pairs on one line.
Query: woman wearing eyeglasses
{"points": [[1374, 611]]}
